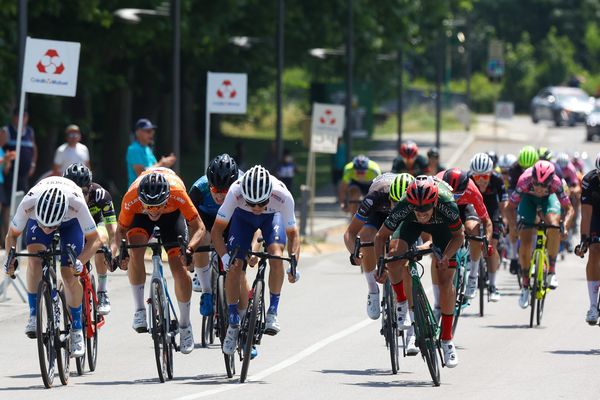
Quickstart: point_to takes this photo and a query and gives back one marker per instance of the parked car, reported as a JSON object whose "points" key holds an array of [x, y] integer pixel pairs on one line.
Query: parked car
{"points": [[592, 123], [561, 104]]}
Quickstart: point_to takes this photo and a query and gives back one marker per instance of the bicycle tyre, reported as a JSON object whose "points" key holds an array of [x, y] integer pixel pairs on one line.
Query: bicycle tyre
{"points": [[533, 297], [92, 342], [426, 338], [222, 314], [252, 318], [460, 297], [541, 301], [62, 344], [45, 334], [481, 284], [391, 327], [158, 330], [80, 361]]}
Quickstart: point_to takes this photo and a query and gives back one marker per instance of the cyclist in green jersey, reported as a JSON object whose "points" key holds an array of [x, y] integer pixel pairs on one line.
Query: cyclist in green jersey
{"points": [[357, 178]]}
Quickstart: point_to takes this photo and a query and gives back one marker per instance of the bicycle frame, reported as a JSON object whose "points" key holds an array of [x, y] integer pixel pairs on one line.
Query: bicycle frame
{"points": [[86, 282], [539, 257]]}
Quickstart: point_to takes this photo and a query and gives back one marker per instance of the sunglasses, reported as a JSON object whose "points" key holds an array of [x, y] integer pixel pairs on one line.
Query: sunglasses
{"points": [[261, 204], [481, 177], [48, 228], [215, 190], [542, 184], [424, 208], [153, 208]]}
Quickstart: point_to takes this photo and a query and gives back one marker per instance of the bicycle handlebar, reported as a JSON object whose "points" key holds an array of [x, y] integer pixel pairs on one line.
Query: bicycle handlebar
{"points": [[266, 256], [413, 254]]}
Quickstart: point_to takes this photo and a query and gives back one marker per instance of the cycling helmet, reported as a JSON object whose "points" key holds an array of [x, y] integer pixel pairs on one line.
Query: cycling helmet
{"points": [[222, 171], [78, 173], [493, 157], [457, 179], [598, 163], [481, 163], [543, 172], [505, 161], [51, 207], [409, 149], [154, 189], [399, 185], [528, 156], [422, 192], [256, 185], [360, 163], [433, 152], [562, 159], [544, 153]]}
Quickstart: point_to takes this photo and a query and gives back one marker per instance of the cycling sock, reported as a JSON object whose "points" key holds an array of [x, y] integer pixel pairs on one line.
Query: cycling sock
{"points": [[492, 278], [399, 290], [32, 300], [138, 296], [593, 292], [411, 312], [184, 313], [552, 262], [436, 296], [76, 317], [234, 316], [446, 333], [513, 250], [273, 303], [371, 282], [204, 276], [102, 278], [474, 269]]}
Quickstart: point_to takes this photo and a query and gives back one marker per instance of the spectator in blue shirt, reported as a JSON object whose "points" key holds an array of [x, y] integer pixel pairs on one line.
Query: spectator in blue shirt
{"points": [[139, 153]]}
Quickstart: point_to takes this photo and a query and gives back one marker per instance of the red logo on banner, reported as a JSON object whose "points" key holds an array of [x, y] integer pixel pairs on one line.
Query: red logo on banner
{"points": [[226, 90], [328, 118], [51, 63]]}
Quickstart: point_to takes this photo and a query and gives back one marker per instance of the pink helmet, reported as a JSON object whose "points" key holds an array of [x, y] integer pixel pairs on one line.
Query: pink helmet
{"points": [[543, 172]]}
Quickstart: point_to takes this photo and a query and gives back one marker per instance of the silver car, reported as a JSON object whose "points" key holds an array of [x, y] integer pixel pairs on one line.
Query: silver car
{"points": [[592, 123], [561, 104]]}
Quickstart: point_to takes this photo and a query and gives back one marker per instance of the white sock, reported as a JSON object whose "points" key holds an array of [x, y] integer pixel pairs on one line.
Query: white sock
{"points": [[474, 269], [102, 278], [184, 314], [436, 296], [593, 292], [512, 250], [371, 282], [412, 315], [492, 278], [138, 297], [205, 277]]}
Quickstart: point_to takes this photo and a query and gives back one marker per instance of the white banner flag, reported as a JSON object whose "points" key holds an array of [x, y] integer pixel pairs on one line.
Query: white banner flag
{"points": [[226, 93], [326, 127]]}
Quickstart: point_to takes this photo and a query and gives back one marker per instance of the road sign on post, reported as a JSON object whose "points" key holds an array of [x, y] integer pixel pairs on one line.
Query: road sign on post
{"points": [[495, 67], [505, 109]]}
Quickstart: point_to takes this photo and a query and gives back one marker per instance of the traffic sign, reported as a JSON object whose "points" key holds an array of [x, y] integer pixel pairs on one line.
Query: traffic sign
{"points": [[326, 127], [227, 93], [505, 109]]}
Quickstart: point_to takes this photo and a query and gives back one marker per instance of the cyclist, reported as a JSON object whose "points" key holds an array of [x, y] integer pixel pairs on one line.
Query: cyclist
{"points": [[571, 179], [385, 191], [473, 213], [427, 206], [100, 204], [493, 156], [491, 186], [409, 160], [538, 187], [505, 162], [55, 204], [590, 236], [207, 194], [358, 176], [433, 161], [544, 153], [255, 201], [159, 198]]}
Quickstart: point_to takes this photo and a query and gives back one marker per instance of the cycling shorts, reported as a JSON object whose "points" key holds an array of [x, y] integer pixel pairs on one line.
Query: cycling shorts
{"points": [[363, 186], [411, 231], [244, 223], [595, 226], [209, 220], [171, 226], [376, 219], [468, 213], [70, 235], [529, 205]]}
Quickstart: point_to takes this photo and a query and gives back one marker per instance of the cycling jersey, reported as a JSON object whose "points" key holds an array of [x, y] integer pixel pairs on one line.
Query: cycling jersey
{"points": [[350, 174], [525, 186], [100, 204], [178, 198], [590, 189], [77, 206], [514, 173], [569, 174], [378, 197], [201, 197], [419, 167], [471, 195], [494, 194]]}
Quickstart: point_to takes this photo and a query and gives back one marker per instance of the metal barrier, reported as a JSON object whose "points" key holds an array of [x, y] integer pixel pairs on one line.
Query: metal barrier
{"points": [[17, 283]]}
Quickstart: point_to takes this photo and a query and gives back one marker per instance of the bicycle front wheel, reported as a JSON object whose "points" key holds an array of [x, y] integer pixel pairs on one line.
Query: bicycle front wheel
{"points": [[94, 319], [481, 282], [222, 314], [45, 334], [425, 329], [248, 336], [159, 330], [459, 284], [391, 326], [62, 339]]}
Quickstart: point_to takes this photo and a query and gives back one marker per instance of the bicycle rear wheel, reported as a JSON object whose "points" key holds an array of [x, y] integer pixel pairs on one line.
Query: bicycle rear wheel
{"points": [[45, 334], [80, 361], [92, 340], [222, 314], [62, 339], [533, 296], [541, 300], [159, 329], [251, 323], [459, 284], [481, 283], [425, 331], [390, 326]]}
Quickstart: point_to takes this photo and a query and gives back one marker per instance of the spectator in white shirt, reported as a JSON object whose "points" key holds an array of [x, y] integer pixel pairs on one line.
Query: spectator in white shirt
{"points": [[70, 152]]}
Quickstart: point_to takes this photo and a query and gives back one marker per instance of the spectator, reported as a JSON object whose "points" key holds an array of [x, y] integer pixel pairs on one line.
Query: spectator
{"points": [[139, 154], [287, 169], [71, 152], [29, 152]]}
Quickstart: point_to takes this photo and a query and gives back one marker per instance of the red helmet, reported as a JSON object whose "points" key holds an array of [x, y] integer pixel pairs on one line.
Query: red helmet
{"points": [[422, 192], [542, 172], [456, 178], [409, 150]]}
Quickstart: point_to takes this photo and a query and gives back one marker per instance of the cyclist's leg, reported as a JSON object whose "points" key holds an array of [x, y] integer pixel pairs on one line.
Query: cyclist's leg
{"points": [[275, 239], [407, 234], [526, 214], [35, 240], [368, 261], [592, 270], [493, 262], [354, 195], [200, 261], [100, 262], [138, 233], [551, 209]]}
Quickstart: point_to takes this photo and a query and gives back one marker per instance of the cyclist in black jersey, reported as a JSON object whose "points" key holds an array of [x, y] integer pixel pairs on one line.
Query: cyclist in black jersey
{"points": [[590, 236], [101, 207], [409, 160]]}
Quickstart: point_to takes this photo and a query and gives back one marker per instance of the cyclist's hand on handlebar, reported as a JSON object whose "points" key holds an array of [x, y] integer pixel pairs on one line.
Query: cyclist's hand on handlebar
{"points": [[252, 261], [442, 263], [226, 259], [10, 265], [354, 260], [581, 248], [120, 262], [490, 250], [78, 267], [293, 279], [186, 257], [381, 278]]}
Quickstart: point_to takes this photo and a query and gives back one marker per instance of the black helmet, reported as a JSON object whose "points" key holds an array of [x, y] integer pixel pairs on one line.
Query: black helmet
{"points": [[154, 189], [433, 152], [222, 171], [79, 173]]}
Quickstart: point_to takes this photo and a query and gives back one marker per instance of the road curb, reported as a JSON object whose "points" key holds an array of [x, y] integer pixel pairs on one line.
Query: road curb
{"points": [[461, 150]]}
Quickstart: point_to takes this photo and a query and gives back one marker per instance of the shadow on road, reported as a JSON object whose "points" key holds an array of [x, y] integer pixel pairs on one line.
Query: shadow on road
{"points": [[514, 326], [592, 352], [386, 385], [357, 372]]}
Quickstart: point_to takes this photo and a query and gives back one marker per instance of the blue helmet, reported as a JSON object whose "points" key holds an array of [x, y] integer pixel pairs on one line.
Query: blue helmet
{"points": [[360, 163]]}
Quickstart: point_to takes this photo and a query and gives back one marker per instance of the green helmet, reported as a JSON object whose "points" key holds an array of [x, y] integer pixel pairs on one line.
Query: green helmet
{"points": [[528, 156], [399, 185], [544, 153]]}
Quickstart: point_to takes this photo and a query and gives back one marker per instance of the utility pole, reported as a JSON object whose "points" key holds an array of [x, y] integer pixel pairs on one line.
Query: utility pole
{"points": [[279, 55], [349, 62]]}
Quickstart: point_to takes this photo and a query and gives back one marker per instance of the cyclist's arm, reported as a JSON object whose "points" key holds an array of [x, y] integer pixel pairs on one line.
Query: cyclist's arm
{"points": [[121, 233], [380, 239], [197, 231], [91, 245], [350, 235], [112, 233], [11, 238], [293, 237], [216, 234], [586, 217], [458, 238]]}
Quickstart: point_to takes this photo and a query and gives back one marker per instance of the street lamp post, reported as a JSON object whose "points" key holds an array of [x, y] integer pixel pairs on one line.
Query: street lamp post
{"points": [[280, 49], [349, 73]]}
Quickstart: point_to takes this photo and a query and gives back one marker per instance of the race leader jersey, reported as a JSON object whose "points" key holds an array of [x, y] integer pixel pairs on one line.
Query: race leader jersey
{"points": [[525, 186], [101, 205], [372, 172], [281, 201], [378, 198], [178, 198], [472, 196], [201, 197], [445, 212], [77, 206], [590, 189], [419, 167]]}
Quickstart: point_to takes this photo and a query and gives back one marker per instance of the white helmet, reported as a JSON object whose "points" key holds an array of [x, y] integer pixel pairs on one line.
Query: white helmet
{"points": [[506, 161], [562, 159], [256, 185], [51, 207], [481, 163]]}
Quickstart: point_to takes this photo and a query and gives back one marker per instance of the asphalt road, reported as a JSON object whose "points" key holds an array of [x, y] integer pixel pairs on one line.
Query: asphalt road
{"points": [[329, 349]]}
